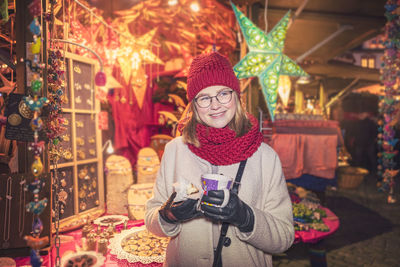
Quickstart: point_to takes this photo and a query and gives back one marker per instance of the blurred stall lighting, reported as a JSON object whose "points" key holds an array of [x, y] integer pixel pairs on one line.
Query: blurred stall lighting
{"points": [[172, 2], [310, 105], [304, 80], [195, 6], [284, 87]]}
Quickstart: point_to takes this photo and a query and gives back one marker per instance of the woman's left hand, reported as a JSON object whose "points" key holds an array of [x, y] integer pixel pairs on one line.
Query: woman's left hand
{"points": [[235, 212]]}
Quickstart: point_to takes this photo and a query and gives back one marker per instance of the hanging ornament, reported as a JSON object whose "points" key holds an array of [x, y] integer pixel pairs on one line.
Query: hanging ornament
{"points": [[37, 167], [139, 85], [34, 27], [265, 58], [35, 46], [36, 85], [100, 78]]}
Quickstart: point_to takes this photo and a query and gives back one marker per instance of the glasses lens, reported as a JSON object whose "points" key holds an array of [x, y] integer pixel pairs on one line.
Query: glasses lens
{"points": [[203, 101], [224, 97]]}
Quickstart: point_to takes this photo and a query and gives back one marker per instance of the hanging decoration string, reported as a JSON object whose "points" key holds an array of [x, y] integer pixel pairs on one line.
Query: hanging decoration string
{"points": [[35, 103], [7, 214], [390, 73], [265, 16]]}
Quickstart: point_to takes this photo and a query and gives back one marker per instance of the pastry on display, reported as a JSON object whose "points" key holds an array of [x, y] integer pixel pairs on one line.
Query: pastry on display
{"points": [[111, 220], [139, 245], [83, 258], [142, 244]]}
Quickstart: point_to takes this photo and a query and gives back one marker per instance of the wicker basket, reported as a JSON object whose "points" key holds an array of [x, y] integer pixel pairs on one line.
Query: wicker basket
{"points": [[350, 177]]}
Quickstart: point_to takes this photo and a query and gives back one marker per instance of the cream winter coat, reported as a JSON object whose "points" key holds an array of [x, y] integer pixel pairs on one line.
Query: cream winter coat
{"points": [[263, 188]]}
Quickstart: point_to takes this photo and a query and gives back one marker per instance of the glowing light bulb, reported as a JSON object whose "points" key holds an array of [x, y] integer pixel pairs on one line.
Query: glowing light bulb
{"points": [[110, 149], [172, 2], [195, 7]]}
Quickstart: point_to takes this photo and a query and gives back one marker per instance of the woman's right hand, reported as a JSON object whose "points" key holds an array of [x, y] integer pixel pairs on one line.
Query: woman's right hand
{"points": [[174, 212]]}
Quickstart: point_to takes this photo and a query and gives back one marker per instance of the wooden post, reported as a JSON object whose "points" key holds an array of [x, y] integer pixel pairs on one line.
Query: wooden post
{"points": [[22, 18]]}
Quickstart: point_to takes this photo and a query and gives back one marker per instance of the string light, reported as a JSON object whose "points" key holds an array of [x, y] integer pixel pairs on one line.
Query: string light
{"points": [[194, 6], [172, 2]]}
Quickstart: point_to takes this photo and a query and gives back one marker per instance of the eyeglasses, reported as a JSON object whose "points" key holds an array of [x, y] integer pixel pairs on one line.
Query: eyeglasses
{"points": [[223, 97]]}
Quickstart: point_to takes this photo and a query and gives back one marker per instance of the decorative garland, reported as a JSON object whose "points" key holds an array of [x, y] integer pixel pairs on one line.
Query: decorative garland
{"points": [[390, 73], [35, 103]]}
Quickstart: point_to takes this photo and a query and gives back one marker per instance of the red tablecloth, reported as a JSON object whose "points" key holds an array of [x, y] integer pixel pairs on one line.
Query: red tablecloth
{"points": [[313, 236]]}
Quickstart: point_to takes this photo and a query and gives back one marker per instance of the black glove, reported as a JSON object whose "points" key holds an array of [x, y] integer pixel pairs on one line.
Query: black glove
{"points": [[180, 211], [236, 212]]}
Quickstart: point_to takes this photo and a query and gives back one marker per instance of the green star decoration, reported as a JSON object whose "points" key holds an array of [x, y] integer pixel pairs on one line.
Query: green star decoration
{"points": [[265, 58]]}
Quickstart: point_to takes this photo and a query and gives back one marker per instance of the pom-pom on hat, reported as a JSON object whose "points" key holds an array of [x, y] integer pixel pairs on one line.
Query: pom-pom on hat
{"points": [[208, 70]]}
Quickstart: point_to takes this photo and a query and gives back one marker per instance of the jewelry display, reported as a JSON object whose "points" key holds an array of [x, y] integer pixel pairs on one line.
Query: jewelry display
{"points": [[83, 173], [92, 169], [14, 119], [62, 198], [81, 154], [64, 99], [80, 141], [21, 211], [82, 193], [66, 138], [77, 86], [82, 205], [24, 110], [7, 214], [78, 99], [67, 155]]}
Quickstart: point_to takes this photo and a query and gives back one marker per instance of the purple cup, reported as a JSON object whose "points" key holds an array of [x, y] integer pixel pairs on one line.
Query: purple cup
{"points": [[213, 181]]}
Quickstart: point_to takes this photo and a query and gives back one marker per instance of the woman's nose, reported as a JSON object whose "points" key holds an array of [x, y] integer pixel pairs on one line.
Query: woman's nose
{"points": [[214, 103]]}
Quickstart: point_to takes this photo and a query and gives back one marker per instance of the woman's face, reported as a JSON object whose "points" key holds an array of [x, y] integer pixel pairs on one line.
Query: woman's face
{"points": [[216, 115]]}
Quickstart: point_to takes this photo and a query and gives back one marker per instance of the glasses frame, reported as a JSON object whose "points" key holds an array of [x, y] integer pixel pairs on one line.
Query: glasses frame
{"points": [[216, 97]]}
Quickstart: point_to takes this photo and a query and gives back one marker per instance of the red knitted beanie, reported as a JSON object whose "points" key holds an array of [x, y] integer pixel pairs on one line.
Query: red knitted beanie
{"points": [[208, 70]]}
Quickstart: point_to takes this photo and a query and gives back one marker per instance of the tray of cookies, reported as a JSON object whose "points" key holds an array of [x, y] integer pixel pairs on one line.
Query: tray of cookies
{"points": [[138, 245]]}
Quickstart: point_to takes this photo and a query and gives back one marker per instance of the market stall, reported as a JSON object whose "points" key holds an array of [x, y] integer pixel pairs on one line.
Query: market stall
{"points": [[92, 76], [308, 149]]}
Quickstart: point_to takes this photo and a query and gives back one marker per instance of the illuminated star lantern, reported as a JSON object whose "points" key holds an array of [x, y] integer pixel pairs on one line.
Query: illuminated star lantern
{"points": [[135, 51], [265, 58]]}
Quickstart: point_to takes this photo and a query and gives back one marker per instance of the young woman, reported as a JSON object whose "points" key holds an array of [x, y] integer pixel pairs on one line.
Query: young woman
{"points": [[218, 136]]}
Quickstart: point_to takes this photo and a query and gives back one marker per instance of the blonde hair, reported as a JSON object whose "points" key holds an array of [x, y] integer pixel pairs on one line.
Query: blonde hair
{"points": [[240, 123]]}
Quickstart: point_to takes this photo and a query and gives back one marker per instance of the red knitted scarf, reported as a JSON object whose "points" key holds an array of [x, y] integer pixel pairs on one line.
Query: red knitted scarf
{"points": [[222, 147]]}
